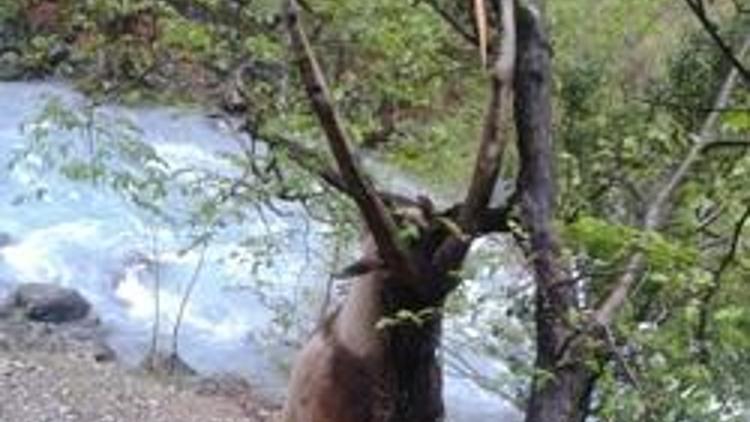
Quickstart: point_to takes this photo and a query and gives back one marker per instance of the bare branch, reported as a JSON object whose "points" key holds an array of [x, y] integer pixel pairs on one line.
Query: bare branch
{"points": [[378, 220], [658, 209], [726, 143]]}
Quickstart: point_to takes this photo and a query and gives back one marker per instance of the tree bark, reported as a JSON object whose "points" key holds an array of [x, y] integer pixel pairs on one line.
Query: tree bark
{"points": [[562, 383]]}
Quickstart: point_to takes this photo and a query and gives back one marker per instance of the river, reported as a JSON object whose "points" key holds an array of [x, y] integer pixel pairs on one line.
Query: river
{"points": [[246, 312]]}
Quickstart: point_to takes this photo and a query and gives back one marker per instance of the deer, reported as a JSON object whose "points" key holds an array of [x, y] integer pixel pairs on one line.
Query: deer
{"points": [[353, 369], [362, 364]]}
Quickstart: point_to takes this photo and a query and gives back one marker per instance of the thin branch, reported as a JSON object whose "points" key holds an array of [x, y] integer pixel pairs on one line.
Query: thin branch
{"points": [[630, 375], [155, 329], [187, 296], [726, 143], [698, 9], [453, 22], [677, 105], [658, 209], [713, 290], [378, 220]]}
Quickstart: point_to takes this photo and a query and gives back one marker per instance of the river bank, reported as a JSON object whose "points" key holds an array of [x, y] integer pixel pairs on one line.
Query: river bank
{"points": [[60, 369], [67, 386]]}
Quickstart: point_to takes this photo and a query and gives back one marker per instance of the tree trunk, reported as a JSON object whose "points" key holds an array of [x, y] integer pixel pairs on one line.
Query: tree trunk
{"points": [[562, 382]]}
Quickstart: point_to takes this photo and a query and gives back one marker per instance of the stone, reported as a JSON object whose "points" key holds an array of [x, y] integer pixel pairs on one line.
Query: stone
{"points": [[50, 303], [11, 65], [5, 239], [167, 364], [103, 353]]}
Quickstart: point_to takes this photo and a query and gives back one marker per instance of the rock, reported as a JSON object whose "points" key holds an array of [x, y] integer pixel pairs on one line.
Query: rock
{"points": [[50, 303], [233, 101], [5, 239], [103, 353], [226, 385], [11, 65], [58, 53], [167, 364]]}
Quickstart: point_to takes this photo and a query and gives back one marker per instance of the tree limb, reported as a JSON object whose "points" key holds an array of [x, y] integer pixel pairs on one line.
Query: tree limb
{"points": [[658, 209], [726, 143], [377, 218]]}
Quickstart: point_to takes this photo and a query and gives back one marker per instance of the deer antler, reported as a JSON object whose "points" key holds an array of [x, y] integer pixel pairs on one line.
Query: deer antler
{"points": [[376, 216], [490, 154], [480, 19]]}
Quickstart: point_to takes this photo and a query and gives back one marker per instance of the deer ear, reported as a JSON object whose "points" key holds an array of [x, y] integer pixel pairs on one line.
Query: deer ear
{"points": [[362, 266]]}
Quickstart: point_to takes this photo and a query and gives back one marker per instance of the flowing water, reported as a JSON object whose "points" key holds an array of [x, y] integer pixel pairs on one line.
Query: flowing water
{"points": [[242, 313]]}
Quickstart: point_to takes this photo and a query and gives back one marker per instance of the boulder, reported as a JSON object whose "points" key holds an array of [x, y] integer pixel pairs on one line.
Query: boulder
{"points": [[50, 303]]}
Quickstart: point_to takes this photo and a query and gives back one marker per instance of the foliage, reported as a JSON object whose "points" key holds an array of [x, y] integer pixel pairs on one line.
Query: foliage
{"points": [[633, 84], [617, 147], [9, 10]]}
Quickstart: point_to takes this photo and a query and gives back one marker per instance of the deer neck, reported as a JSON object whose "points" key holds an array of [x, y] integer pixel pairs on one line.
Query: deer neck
{"points": [[355, 325]]}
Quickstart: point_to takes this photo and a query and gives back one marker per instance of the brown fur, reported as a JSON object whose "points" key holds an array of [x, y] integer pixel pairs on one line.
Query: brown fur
{"points": [[349, 371], [339, 375]]}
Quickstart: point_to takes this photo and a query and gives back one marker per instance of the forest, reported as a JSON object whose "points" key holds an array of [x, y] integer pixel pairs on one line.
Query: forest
{"points": [[552, 188]]}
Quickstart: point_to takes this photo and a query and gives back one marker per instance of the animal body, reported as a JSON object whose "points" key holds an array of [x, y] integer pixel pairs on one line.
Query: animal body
{"points": [[351, 371]]}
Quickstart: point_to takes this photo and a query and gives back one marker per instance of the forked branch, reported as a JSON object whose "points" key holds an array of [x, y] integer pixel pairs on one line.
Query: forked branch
{"points": [[376, 216]]}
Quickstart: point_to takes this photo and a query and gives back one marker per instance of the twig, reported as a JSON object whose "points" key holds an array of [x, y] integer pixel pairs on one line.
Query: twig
{"points": [[713, 290], [186, 297], [453, 22]]}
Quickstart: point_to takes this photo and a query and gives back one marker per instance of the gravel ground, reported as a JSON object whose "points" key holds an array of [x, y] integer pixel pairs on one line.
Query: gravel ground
{"points": [[65, 372], [59, 387]]}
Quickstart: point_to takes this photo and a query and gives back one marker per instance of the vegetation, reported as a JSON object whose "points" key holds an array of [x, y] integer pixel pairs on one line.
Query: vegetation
{"points": [[647, 316]]}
